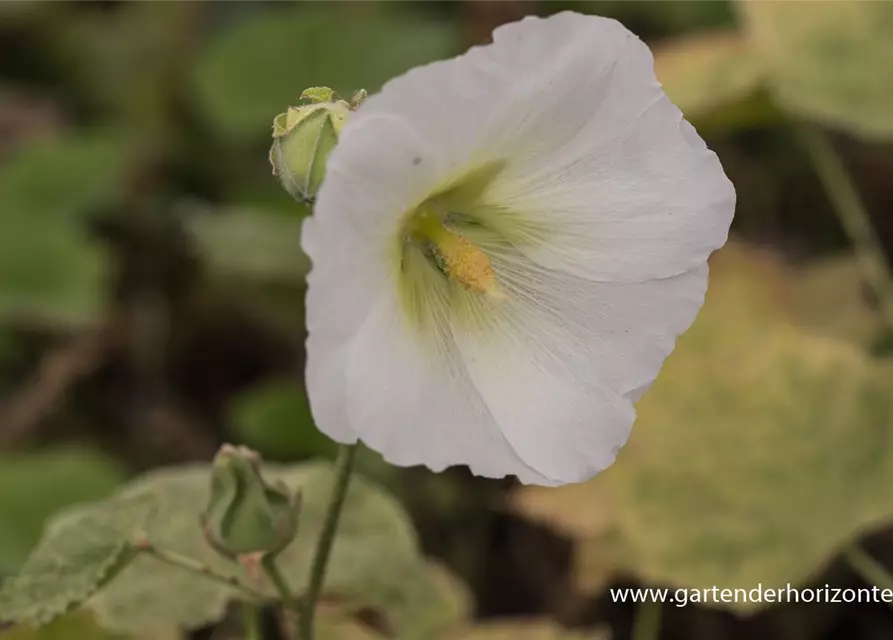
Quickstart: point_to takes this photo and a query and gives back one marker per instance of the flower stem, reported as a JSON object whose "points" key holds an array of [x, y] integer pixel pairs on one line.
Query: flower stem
{"points": [[868, 568], [646, 625], [193, 566], [343, 468], [856, 223]]}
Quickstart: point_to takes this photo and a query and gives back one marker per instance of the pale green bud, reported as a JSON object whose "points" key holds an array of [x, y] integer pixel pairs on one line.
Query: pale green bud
{"points": [[245, 514], [303, 138]]}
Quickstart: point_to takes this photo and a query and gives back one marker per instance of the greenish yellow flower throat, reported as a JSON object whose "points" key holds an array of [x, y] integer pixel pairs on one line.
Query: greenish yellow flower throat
{"points": [[460, 259]]}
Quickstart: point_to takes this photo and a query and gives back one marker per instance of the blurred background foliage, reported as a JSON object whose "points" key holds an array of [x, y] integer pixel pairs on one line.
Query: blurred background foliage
{"points": [[151, 308]]}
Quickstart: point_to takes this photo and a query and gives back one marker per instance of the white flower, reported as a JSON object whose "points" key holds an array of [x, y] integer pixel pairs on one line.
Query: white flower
{"points": [[505, 247]]}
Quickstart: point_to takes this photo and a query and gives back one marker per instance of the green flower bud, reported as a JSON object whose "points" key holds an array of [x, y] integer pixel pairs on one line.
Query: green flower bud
{"points": [[303, 138], [245, 514]]}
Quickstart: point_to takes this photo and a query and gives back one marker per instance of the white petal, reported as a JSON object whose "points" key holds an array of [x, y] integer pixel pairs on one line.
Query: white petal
{"points": [[411, 400], [650, 205], [593, 149], [564, 359], [348, 274]]}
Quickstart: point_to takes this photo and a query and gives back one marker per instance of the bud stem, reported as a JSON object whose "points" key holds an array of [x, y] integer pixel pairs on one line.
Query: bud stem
{"points": [[343, 468], [279, 583], [252, 622], [198, 568]]}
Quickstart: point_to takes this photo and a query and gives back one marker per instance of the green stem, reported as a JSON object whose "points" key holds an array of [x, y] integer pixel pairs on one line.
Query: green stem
{"points": [[868, 568], [252, 622], [853, 216], [193, 566], [343, 468], [646, 625], [279, 582]]}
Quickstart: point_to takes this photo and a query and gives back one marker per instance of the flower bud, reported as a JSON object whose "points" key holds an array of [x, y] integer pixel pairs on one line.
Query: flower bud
{"points": [[303, 138], [245, 514]]}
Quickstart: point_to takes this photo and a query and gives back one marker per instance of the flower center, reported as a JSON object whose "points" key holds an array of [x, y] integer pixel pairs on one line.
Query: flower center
{"points": [[463, 261]]}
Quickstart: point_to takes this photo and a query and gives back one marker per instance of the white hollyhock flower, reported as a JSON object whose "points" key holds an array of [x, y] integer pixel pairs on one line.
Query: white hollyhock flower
{"points": [[505, 247]]}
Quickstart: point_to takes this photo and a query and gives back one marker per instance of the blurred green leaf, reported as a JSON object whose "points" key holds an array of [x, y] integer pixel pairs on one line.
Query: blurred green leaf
{"points": [[832, 61], [760, 451], [275, 419], [80, 626], [105, 49], [830, 296], [707, 72], [61, 179], [376, 562], [259, 66], [533, 629], [337, 629], [49, 268], [48, 271], [76, 626], [250, 244], [653, 18], [47, 481]]}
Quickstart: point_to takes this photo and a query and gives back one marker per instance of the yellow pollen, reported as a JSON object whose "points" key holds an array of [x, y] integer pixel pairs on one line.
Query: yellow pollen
{"points": [[464, 262]]}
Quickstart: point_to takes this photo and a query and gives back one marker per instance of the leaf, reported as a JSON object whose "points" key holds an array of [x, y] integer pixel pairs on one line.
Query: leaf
{"points": [[63, 178], [832, 61], [343, 630], [533, 629], [51, 479], [68, 627], [759, 452], [375, 560], [375, 563], [105, 47], [49, 268], [259, 66], [81, 550], [830, 297], [712, 75], [250, 244], [656, 18], [48, 271], [274, 418]]}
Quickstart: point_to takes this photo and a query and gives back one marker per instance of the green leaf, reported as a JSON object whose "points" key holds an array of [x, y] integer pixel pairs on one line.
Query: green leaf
{"points": [[831, 61], [760, 451], [709, 75], [250, 244], [376, 562], [49, 268], [48, 271], [830, 296], [655, 19], [50, 480], [63, 178], [275, 419], [533, 629], [76, 626], [82, 549], [259, 66], [79, 626]]}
